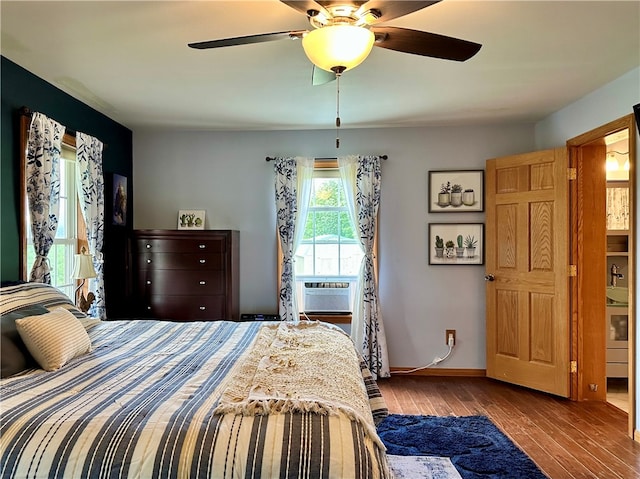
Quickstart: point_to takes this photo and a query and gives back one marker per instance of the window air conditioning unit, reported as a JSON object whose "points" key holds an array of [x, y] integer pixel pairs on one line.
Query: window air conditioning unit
{"points": [[327, 298]]}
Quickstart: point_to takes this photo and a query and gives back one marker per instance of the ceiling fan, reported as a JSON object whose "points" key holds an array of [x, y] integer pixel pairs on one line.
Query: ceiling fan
{"points": [[343, 33]]}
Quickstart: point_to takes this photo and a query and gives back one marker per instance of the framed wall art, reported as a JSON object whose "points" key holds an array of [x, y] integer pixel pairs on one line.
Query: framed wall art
{"points": [[119, 200], [456, 191], [191, 219], [456, 243]]}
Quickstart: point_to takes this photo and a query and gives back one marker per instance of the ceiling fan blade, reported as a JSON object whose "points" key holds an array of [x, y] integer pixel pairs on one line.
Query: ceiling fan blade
{"points": [[303, 6], [394, 9], [260, 38], [320, 76], [424, 43]]}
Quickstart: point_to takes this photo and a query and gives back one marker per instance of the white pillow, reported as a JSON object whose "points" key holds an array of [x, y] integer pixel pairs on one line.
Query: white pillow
{"points": [[54, 338]]}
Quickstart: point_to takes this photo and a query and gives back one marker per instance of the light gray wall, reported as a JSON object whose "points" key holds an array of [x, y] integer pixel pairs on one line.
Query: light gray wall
{"points": [[226, 174], [600, 107], [608, 103]]}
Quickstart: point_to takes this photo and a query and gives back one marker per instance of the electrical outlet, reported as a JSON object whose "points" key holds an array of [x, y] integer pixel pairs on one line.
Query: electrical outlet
{"points": [[450, 332]]}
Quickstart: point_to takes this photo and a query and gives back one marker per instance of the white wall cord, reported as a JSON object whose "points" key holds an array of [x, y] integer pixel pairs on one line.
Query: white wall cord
{"points": [[435, 361]]}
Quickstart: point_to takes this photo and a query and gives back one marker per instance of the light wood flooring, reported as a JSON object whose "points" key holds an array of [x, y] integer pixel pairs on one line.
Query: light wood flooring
{"points": [[618, 393], [566, 439]]}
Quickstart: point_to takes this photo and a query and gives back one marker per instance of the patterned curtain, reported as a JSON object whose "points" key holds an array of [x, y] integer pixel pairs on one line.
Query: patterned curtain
{"points": [[90, 182], [293, 193], [43, 189], [361, 180]]}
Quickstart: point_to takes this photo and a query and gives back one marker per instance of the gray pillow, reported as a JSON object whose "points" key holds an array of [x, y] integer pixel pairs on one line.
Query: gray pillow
{"points": [[14, 355]]}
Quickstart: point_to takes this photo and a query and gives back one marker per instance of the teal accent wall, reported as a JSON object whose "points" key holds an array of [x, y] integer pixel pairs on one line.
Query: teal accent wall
{"points": [[20, 88]]}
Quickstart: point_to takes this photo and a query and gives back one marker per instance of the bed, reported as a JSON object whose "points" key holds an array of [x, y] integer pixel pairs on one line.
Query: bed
{"points": [[154, 399]]}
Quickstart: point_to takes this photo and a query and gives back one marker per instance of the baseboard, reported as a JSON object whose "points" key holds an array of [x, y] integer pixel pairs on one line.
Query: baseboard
{"points": [[478, 373]]}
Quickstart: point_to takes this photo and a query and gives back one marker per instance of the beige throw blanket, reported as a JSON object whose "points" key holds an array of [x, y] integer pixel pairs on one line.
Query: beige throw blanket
{"points": [[304, 367]]}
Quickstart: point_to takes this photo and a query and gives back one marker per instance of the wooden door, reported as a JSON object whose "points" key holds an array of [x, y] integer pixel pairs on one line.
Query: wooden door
{"points": [[527, 288]]}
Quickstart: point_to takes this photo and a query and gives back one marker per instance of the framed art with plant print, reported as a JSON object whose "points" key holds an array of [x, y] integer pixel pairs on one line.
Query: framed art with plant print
{"points": [[456, 243], [191, 219], [456, 191]]}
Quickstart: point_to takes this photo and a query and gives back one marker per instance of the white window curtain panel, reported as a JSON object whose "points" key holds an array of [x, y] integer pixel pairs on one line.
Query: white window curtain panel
{"points": [[293, 177], [90, 183], [361, 180], [43, 189]]}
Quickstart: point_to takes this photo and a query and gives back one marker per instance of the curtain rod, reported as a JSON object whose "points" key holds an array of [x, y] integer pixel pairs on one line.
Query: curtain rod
{"points": [[268, 158], [26, 111]]}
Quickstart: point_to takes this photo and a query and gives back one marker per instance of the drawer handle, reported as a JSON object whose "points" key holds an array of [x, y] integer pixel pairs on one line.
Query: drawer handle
{"points": [[148, 281], [203, 282], [202, 308], [149, 261], [148, 246], [203, 261], [202, 246]]}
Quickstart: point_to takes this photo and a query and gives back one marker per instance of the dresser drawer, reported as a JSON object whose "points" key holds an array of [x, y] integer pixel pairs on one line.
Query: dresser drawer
{"points": [[617, 370], [617, 355], [181, 282], [195, 262], [158, 245], [183, 308]]}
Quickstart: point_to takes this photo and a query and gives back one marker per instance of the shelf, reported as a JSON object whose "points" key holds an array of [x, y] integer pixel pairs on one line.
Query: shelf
{"points": [[613, 344], [618, 242], [617, 310], [617, 183]]}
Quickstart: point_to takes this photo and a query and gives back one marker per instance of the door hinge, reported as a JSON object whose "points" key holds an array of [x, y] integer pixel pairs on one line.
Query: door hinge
{"points": [[573, 365], [573, 270], [572, 173]]}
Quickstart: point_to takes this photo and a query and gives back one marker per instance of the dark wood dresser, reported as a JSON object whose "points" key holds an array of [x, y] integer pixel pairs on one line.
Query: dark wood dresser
{"points": [[187, 275]]}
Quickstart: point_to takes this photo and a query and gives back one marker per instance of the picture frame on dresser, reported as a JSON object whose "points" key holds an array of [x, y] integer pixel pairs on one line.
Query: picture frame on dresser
{"points": [[191, 219]]}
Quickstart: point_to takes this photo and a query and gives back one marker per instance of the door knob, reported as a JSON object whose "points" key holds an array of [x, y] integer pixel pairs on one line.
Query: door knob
{"points": [[489, 277]]}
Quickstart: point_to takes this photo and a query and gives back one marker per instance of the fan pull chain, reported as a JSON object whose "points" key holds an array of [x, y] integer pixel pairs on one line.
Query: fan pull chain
{"points": [[338, 111]]}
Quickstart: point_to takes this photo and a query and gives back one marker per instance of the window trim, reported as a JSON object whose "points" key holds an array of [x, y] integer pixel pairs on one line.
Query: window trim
{"points": [[330, 163]]}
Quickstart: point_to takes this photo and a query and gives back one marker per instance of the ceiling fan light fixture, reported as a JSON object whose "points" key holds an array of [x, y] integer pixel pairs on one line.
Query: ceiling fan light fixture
{"points": [[336, 46]]}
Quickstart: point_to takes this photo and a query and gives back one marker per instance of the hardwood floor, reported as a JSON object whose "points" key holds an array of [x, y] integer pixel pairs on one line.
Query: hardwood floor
{"points": [[565, 439]]}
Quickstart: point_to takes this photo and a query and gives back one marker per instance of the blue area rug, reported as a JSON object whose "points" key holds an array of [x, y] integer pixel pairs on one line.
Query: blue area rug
{"points": [[476, 447]]}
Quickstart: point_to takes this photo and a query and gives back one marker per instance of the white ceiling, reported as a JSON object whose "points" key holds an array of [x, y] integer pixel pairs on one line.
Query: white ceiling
{"points": [[130, 61]]}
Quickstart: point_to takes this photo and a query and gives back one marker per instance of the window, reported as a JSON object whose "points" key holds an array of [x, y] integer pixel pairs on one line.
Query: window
{"points": [[329, 256], [71, 232], [328, 260]]}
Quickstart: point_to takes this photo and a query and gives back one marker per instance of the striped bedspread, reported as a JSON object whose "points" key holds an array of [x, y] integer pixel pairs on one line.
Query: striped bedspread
{"points": [[142, 405]]}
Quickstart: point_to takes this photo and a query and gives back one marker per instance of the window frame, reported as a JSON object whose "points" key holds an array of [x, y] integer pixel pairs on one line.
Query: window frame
{"points": [[325, 163]]}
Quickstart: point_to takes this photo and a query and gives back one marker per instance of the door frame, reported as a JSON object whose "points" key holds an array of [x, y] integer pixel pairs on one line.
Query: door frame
{"points": [[591, 368]]}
